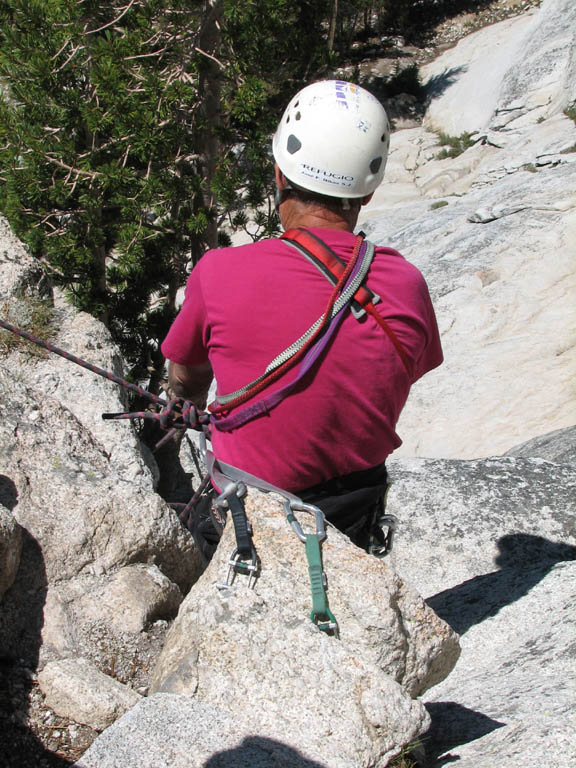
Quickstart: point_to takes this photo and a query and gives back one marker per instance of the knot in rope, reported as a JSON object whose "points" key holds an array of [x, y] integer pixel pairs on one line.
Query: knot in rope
{"points": [[181, 414], [175, 416]]}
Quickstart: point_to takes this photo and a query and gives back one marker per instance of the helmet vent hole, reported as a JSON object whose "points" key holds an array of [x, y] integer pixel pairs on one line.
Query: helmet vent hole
{"points": [[383, 137], [293, 144], [295, 105], [375, 165], [298, 115]]}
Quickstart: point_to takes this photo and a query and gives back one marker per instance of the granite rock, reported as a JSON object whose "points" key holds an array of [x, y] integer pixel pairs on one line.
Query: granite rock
{"points": [[230, 644], [76, 689]]}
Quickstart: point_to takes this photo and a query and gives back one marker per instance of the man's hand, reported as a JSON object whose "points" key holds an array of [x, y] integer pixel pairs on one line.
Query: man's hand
{"points": [[190, 382]]}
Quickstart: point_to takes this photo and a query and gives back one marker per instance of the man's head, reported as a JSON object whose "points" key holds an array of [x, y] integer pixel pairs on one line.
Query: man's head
{"points": [[331, 147]]}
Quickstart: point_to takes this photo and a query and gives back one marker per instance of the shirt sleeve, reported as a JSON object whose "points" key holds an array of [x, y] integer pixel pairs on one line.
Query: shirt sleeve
{"points": [[432, 355], [408, 309], [188, 337]]}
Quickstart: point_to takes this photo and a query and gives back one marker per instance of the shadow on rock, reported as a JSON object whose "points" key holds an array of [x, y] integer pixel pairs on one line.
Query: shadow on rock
{"points": [[453, 725], [8, 493], [523, 559], [262, 752], [437, 84], [21, 619]]}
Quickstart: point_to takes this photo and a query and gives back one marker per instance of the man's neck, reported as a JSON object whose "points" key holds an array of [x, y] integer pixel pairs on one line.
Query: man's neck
{"points": [[293, 215]]}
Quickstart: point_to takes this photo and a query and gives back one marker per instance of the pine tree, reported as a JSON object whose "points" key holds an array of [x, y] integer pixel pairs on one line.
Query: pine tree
{"points": [[102, 149], [131, 129]]}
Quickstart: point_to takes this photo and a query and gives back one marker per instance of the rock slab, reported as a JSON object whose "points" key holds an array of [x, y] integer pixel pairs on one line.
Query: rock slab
{"points": [[492, 543], [511, 700]]}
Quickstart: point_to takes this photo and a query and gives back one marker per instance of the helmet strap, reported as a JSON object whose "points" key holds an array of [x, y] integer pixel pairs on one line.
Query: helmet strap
{"points": [[280, 195]]}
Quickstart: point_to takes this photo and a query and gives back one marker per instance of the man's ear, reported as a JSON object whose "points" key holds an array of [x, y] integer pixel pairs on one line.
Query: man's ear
{"points": [[281, 180]]}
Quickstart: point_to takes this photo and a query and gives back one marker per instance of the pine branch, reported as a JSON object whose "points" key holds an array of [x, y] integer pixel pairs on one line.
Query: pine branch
{"points": [[111, 23], [77, 171]]}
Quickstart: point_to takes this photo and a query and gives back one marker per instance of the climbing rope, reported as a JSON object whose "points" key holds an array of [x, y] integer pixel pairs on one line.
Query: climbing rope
{"points": [[344, 289], [173, 415], [94, 368]]}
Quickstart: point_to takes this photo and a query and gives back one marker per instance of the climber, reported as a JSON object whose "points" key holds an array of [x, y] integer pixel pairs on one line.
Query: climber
{"points": [[327, 439]]}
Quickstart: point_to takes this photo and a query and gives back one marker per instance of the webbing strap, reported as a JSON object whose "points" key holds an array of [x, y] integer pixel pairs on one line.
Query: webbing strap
{"points": [[349, 278], [222, 474], [326, 260], [241, 526], [331, 266], [321, 614], [292, 351]]}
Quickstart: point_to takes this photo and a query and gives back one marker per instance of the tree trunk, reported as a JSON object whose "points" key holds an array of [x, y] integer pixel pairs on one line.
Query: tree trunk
{"points": [[101, 283], [209, 88], [332, 27]]}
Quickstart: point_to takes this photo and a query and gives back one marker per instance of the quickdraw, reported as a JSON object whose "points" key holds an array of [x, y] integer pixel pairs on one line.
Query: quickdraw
{"points": [[321, 614], [234, 481], [244, 558]]}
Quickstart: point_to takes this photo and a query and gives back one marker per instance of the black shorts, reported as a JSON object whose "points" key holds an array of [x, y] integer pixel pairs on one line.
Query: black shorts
{"points": [[352, 503]]}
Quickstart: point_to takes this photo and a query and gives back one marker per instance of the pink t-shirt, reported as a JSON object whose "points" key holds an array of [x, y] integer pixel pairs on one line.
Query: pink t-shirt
{"points": [[247, 304]]}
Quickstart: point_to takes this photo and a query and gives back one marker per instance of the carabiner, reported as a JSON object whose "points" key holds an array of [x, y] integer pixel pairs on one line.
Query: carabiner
{"points": [[291, 506], [381, 540], [235, 488], [325, 621]]}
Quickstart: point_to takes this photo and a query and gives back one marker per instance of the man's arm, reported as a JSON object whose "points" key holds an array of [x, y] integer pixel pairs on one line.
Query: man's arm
{"points": [[191, 382]]}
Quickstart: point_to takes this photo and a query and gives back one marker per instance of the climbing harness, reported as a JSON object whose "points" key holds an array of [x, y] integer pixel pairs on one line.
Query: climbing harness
{"points": [[349, 281]]}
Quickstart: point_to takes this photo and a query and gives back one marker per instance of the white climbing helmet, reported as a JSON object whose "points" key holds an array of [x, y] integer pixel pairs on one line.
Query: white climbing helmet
{"points": [[333, 140]]}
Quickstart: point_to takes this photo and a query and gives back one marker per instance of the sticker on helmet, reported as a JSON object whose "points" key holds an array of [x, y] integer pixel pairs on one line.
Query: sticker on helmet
{"points": [[364, 125], [341, 89], [327, 177]]}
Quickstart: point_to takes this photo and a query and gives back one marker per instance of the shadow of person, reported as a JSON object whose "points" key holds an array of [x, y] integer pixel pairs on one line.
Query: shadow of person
{"points": [[261, 752], [523, 561], [453, 725], [21, 619]]}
